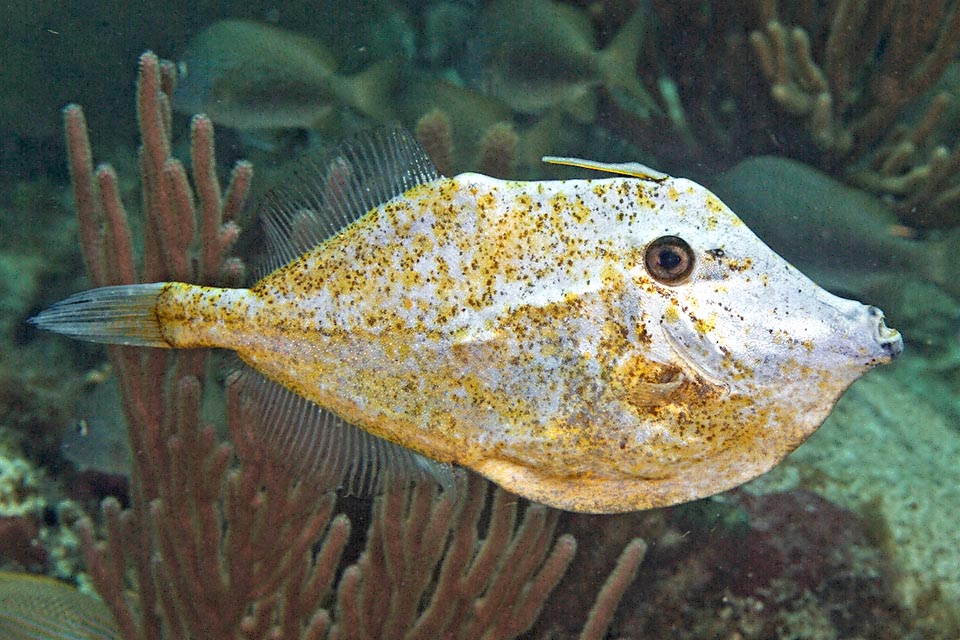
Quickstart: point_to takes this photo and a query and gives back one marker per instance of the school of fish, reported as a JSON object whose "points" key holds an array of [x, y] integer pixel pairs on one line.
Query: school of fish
{"points": [[600, 345]]}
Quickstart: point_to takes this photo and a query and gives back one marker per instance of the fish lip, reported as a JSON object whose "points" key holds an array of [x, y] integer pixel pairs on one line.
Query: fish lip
{"points": [[888, 339]]}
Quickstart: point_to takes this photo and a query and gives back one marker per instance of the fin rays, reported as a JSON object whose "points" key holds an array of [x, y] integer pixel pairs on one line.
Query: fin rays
{"points": [[328, 191], [124, 314], [321, 448]]}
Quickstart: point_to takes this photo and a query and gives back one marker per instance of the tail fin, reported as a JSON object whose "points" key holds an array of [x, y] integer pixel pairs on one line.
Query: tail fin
{"points": [[618, 64], [369, 91], [124, 314]]}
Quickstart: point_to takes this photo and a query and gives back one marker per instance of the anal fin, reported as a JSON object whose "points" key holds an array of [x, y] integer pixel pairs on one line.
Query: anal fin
{"points": [[319, 447]]}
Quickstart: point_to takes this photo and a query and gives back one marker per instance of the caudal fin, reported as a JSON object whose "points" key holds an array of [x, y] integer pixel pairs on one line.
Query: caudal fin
{"points": [[618, 64], [369, 91], [125, 314]]}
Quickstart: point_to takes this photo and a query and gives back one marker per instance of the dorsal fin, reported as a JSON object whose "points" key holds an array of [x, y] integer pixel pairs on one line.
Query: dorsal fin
{"points": [[632, 169], [321, 449], [328, 190]]}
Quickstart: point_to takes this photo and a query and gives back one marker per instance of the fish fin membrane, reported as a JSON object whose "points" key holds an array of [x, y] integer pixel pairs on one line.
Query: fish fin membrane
{"points": [[328, 191], [318, 447], [124, 314], [652, 394], [40, 608]]}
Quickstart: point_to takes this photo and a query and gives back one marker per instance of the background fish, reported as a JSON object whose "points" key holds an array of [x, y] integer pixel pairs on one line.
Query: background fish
{"points": [[251, 75], [98, 438], [595, 345], [473, 115], [538, 55]]}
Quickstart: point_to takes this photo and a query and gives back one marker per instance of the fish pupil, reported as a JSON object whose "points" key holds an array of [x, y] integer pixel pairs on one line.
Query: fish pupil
{"points": [[669, 259]]}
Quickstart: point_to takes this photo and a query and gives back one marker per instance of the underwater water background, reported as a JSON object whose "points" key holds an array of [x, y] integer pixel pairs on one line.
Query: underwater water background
{"points": [[831, 129]]}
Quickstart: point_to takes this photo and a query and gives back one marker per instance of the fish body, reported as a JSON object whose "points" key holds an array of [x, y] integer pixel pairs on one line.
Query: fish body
{"points": [[97, 440], [250, 75], [596, 345]]}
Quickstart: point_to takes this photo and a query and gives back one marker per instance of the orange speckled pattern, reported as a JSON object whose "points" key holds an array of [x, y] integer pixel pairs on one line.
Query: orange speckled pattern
{"points": [[512, 327]]}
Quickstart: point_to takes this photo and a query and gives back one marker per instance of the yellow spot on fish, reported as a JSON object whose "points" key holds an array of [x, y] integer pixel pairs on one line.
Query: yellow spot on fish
{"points": [[705, 326], [743, 264], [714, 205]]}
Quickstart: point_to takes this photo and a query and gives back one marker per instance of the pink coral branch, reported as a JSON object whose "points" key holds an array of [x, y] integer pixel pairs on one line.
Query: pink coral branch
{"points": [[80, 159], [119, 261], [613, 589]]}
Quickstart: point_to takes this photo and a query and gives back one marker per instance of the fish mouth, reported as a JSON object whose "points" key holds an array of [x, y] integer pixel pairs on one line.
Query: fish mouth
{"points": [[888, 339]]}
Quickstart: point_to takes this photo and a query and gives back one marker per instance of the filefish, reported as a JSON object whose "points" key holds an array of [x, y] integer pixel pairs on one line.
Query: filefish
{"points": [[599, 345], [250, 75], [40, 608]]}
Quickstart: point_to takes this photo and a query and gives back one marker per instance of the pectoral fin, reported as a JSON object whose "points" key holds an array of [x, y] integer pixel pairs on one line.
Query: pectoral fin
{"points": [[644, 384], [650, 394]]}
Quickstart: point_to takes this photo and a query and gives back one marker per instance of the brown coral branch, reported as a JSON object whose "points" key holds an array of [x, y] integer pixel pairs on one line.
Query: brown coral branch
{"points": [[435, 132], [118, 263], [85, 197], [613, 589], [426, 573], [498, 151], [850, 88]]}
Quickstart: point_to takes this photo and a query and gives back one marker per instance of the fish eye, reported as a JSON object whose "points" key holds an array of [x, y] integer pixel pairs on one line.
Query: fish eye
{"points": [[669, 259]]}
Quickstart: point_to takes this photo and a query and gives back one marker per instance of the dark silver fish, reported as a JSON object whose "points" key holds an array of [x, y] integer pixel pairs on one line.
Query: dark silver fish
{"points": [[97, 440], [539, 55], [844, 239], [251, 75]]}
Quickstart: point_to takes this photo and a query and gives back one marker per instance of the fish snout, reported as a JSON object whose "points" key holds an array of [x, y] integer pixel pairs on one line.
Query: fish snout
{"points": [[889, 340]]}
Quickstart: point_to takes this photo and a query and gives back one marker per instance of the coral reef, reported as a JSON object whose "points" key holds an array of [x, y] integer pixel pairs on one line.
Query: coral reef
{"points": [[859, 90], [888, 453], [785, 564], [18, 541], [873, 64], [19, 487], [36, 521]]}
